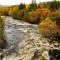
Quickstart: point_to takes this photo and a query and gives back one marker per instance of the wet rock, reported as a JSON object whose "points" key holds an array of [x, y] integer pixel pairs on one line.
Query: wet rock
{"points": [[55, 37], [54, 54], [2, 44]]}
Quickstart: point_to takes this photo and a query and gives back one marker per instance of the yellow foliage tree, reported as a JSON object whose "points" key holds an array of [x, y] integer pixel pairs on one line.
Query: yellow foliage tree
{"points": [[43, 13], [31, 17], [48, 27], [12, 10], [56, 16], [38, 15]]}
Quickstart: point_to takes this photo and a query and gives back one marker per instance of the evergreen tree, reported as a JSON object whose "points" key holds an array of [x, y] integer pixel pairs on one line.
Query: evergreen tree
{"points": [[33, 5], [53, 5], [22, 6]]}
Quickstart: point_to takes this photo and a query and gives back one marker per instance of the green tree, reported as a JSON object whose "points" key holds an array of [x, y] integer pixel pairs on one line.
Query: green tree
{"points": [[54, 5], [5, 13], [22, 6], [33, 6]]}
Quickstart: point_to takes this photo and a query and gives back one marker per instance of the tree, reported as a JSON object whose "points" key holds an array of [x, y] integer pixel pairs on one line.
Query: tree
{"points": [[22, 6], [48, 27], [54, 5], [5, 13], [33, 6]]}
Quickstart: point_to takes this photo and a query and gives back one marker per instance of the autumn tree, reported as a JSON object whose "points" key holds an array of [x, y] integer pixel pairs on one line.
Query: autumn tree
{"points": [[48, 27]]}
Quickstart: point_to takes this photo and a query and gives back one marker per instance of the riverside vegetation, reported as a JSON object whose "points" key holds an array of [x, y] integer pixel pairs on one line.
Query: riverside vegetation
{"points": [[2, 39]]}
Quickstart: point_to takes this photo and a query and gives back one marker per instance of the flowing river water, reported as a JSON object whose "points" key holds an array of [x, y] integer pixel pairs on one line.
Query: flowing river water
{"points": [[17, 30], [24, 40]]}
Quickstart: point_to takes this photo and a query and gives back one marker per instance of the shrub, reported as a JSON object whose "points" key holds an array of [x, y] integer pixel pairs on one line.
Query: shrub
{"points": [[31, 17], [18, 15], [2, 40], [36, 16], [5, 13], [56, 16], [42, 5], [43, 13], [15, 15], [48, 27]]}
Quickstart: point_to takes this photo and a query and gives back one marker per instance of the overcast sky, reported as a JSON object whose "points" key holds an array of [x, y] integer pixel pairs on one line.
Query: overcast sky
{"points": [[14, 2]]}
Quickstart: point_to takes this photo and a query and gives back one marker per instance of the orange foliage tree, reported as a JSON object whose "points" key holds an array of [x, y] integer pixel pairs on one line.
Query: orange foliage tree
{"points": [[48, 27], [43, 13]]}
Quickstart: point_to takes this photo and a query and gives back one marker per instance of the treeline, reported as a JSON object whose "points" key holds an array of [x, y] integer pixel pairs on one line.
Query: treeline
{"points": [[32, 13]]}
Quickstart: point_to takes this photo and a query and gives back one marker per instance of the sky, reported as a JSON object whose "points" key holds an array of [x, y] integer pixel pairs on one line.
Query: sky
{"points": [[14, 2]]}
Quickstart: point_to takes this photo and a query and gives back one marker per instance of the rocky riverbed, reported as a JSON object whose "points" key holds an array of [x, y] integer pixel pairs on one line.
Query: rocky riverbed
{"points": [[24, 42]]}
